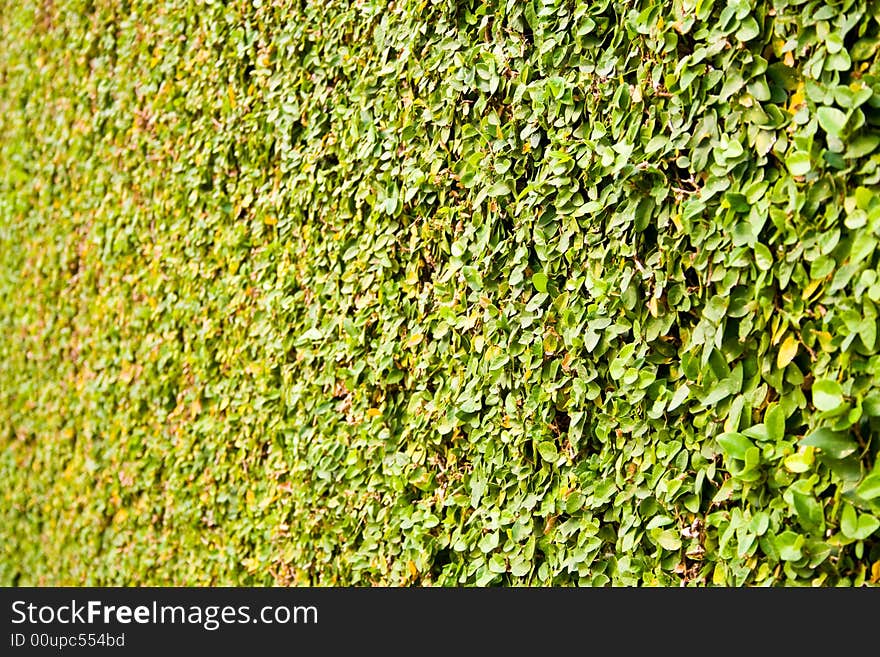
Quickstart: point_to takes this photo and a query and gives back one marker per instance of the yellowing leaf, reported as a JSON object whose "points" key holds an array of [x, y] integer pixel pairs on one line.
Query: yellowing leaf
{"points": [[373, 412], [787, 352], [799, 96], [810, 289]]}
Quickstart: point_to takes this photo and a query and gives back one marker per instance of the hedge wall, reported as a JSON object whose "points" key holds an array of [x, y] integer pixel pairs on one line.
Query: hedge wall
{"points": [[439, 292]]}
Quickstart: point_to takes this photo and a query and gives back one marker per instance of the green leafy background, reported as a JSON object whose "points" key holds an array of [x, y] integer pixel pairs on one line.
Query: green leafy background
{"points": [[439, 293]]}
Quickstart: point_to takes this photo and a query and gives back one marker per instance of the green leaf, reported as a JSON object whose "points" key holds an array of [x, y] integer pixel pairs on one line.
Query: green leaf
{"points": [[869, 489], [867, 330], [574, 503], [798, 163], [799, 462], [757, 432], [807, 507], [548, 451], [760, 523], [471, 404], [311, 334], [857, 526], [497, 564], [668, 539], [748, 30], [834, 443], [832, 120], [679, 396], [489, 542], [764, 141], [827, 394], [834, 42], [539, 280], [871, 404], [862, 145], [520, 567], [865, 48], [863, 196], [867, 525], [472, 277], [763, 257], [500, 188], [789, 545], [849, 521], [734, 444], [774, 419]]}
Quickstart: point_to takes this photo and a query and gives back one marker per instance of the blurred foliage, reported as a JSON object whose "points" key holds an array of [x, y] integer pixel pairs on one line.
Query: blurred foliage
{"points": [[439, 292]]}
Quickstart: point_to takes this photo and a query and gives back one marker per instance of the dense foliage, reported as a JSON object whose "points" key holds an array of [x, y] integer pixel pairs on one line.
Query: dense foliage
{"points": [[439, 292]]}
